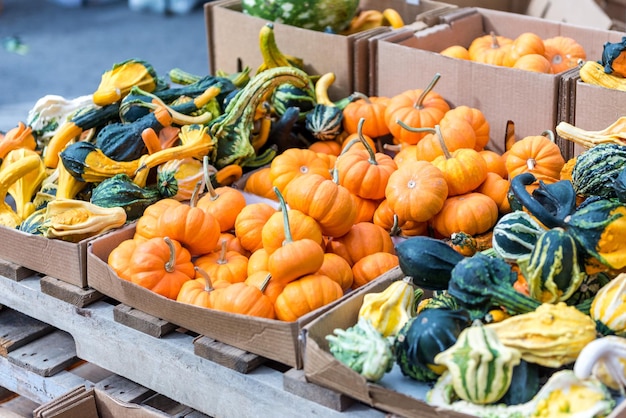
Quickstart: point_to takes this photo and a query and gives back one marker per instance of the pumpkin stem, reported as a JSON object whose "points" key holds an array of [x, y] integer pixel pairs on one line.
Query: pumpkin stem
{"points": [[548, 134], [509, 135], [531, 163], [193, 201], [207, 178], [370, 151], [283, 208], [171, 263], [360, 96], [442, 142], [494, 40], [222, 257], [395, 228], [208, 285], [412, 129], [265, 282], [422, 96], [392, 147]]}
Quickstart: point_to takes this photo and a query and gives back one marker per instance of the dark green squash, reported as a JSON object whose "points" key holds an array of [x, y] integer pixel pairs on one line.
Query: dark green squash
{"points": [[588, 288], [597, 168], [553, 269], [423, 337], [33, 223], [286, 96], [619, 186], [324, 122], [439, 300], [614, 52], [525, 383], [515, 235], [481, 282], [428, 261], [120, 191]]}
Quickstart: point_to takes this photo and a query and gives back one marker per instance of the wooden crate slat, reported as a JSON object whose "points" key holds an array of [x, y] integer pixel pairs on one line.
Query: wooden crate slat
{"points": [[68, 292], [295, 382], [142, 321], [17, 329], [125, 390], [227, 355], [47, 355], [14, 271]]}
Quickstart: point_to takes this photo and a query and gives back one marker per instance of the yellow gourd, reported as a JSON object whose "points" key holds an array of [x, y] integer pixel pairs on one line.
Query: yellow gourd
{"points": [[26, 186], [117, 82], [608, 307], [592, 72], [9, 175], [552, 335], [389, 310]]}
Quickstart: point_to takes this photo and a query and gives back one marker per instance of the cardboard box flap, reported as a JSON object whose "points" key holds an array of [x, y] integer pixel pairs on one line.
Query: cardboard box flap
{"points": [[586, 12]]}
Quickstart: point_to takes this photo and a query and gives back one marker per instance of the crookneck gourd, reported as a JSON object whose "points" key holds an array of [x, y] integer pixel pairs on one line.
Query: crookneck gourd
{"points": [[233, 128]]}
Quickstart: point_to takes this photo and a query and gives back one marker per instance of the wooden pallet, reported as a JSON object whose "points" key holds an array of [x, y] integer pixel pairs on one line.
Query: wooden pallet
{"points": [[169, 365]]}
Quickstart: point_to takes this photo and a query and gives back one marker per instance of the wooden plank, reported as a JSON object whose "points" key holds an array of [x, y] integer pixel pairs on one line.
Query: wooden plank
{"points": [[125, 390], [295, 382], [19, 406], [142, 321], [14, 271], [166, 405], [226, 355], [48, 355], [166, 365], [17, 329], [90, 372], [69, 293]]}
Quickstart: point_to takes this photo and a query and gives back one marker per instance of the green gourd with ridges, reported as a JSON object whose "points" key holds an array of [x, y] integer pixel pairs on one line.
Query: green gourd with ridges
{"points": [[515, 235], [553, 268], [324, 122], [480, 365], [120, 191], [286, 96], [318, 15], [597, 168], [32, 224]]}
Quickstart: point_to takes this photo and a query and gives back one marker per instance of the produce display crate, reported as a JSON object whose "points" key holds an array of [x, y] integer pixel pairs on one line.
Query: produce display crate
{"points": [[394, 393], [273, 339], [321, 52], [406, 60], [62, 260], [589, 107]]}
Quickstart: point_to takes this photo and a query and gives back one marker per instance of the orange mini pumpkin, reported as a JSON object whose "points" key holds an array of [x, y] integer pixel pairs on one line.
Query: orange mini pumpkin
{"points": [[305, 295], [294, 162], [337, 268], [371, 267], [526, 43], [372, 109], [563, 53], [249, 224], [224, 265], [490, 49], [472, 213], [260, 184], [364, 238], [245, 299], [537, 154]]}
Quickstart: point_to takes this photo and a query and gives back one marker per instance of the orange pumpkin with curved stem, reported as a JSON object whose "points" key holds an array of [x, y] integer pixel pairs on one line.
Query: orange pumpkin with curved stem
{"points": [[305, 295], [326, 201], [200, 291], [496, 188], [295, 258], [249, 224], [224, 265], [472, 213], [417, 108], [476, 118], [525, 43], [364, 238], [260, 184], [490, 49], [245, 299], [161, 265], [195, 229], [563, 53], [223, 203], [387, 219], [372, 109], [416, 191], [301, 226], [338, 269], [232, 244], [537, 154], [371, 267], [365, 173], [463, 169], [295, 162], [456, 133]]}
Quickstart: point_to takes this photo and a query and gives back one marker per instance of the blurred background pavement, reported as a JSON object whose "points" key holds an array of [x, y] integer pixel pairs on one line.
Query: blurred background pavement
{"points": [[47, 47]]}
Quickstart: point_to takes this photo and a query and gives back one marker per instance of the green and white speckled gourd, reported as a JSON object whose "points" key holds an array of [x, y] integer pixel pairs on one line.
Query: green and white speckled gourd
{"points": [[319, 15]]}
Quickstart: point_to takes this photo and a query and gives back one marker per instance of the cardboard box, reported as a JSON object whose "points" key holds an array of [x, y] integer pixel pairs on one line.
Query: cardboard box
{"points": [[406, 60], [394, 393], [62, 260], [233, 42], [272, 339], [92, 403]]}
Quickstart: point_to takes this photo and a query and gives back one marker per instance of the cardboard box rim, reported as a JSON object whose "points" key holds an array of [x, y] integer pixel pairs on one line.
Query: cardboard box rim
{"points": [[273, 339], [62, 260], [321, 367], [398, 53]]}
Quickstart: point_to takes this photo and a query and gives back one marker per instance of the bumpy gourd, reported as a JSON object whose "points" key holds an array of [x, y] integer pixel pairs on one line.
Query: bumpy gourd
{"points": [[480, 365], [390, 309], [608, 308], [552, 269], [120, 191], [515, 235], [552, 336], [597, 168], [363, 349]]}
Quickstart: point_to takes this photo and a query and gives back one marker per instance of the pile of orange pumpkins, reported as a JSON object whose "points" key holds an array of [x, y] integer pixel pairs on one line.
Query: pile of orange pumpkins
{"points": [[528, 51]]}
